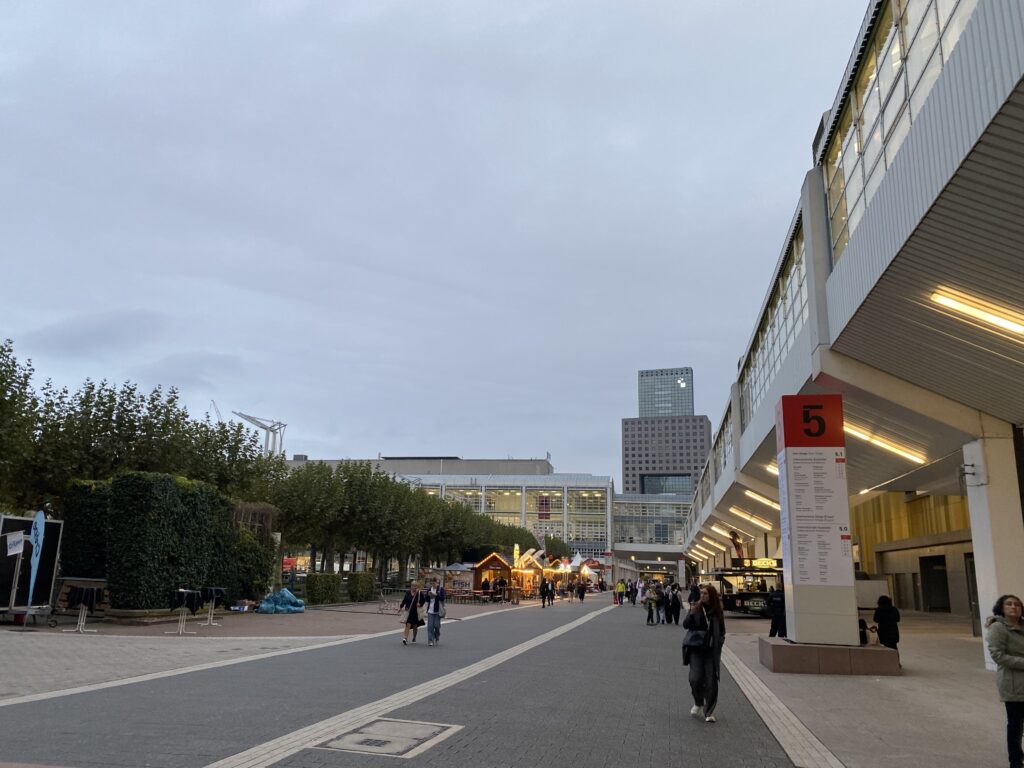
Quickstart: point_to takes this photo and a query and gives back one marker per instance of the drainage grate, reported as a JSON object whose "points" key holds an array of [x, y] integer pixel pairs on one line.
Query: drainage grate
{"points": [[386, 736]]}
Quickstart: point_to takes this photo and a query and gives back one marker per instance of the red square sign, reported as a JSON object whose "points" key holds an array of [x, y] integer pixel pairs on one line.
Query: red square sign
{"points": [[809, 420]]}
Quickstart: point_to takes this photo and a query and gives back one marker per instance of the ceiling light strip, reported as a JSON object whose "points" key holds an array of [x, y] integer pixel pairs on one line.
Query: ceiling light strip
{"points": [[758, 521], [713, 543], [979, 309], [905, 453], [763, 500]]}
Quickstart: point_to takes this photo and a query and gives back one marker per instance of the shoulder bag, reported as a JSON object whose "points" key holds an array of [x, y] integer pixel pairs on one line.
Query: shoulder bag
{"points": [[698, 638]]}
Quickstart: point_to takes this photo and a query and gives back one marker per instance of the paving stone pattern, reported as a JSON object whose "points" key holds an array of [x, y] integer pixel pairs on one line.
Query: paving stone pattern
{"points": [[612, 693], [37, 662]]}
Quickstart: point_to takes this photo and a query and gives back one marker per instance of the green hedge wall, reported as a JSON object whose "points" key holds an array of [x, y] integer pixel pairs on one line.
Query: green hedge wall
{"points": [[360, 587], [323, 588], [247, 569], [150, 534], [83, 551], [162, 534]]}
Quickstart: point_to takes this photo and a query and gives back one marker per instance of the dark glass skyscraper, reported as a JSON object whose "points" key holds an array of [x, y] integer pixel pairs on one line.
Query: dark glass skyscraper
{"points": [[664, 449], [665, 392]]}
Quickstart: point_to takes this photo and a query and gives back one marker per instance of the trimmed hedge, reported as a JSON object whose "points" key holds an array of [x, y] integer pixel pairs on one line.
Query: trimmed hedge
{"points": [[150, 534], [322, 588], [360, 587], [163, 532], [83, 552]]}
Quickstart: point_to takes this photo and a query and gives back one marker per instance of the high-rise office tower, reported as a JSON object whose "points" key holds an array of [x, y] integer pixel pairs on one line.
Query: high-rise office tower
{"points": [[666, 392], [664, 449]]}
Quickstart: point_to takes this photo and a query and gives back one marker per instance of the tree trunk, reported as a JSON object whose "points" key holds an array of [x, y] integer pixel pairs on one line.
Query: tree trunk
{"points": [[312, 558]]}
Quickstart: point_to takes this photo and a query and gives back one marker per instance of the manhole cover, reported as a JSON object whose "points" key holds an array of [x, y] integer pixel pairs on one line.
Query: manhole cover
{"points": [[385, 736]]}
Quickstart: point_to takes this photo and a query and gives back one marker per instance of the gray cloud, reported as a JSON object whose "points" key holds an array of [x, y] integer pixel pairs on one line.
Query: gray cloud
{"points": [[98, 334], [406, 227]]}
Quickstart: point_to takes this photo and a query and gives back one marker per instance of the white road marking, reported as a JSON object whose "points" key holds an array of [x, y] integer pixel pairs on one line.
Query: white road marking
{"points": [[180, 671], [802, 746], [28, 698], [278, 749]]}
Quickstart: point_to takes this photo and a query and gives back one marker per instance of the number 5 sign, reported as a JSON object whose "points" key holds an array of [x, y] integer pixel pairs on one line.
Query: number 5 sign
{"points": [[809, 421]]}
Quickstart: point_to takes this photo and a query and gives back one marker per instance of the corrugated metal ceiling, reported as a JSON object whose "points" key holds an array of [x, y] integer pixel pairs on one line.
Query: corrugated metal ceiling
{"points": [[971, 241]]}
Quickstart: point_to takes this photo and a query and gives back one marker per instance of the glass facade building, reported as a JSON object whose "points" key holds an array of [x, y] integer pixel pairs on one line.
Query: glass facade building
{"points": [[665, 392], [641, 519], [574, 507]]}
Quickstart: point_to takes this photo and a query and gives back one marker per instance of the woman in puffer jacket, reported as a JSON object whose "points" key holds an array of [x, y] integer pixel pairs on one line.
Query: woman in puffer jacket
{"points": [[1006, 646]]}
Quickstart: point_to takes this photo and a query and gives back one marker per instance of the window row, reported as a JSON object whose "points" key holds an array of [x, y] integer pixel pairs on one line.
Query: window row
{"points": [[902, 61]]}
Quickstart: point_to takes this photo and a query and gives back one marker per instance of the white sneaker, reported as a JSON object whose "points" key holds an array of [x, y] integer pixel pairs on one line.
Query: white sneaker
{"points": [[430, 643], [696, 711], [710, 719]]}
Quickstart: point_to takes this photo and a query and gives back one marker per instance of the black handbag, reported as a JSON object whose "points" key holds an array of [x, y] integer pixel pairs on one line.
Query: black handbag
{"points": [[698, 638]]}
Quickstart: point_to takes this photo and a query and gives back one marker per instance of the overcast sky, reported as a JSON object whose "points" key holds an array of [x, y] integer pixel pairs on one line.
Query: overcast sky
{"points": [[407, 228]]}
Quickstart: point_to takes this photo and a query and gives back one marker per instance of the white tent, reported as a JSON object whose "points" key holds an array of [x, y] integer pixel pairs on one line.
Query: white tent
{"points": [[577, 561]]}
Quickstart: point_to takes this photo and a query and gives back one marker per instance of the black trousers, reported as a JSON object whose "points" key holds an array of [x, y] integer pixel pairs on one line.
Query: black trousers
{"points": [[704, 680], [778, 627], [1014, 732]]}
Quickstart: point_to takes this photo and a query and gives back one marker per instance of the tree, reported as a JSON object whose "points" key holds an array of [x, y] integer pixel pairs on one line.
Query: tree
{"points": [[556, 547], [18, 406]]}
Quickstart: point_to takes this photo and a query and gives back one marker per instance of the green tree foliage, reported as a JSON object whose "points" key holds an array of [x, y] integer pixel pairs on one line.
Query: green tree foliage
{"points": [[49, 438], [18, 406], [61, 446], [556, 548]]}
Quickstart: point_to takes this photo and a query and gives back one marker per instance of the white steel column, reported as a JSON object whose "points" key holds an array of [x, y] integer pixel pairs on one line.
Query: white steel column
{"points": [[522, 506], [997, 527]]}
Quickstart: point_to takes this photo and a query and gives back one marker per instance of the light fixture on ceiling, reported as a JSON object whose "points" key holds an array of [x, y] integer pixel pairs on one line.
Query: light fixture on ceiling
{"points": [[699, 548], [905, 453], [722, 532], [772, 468], [979, 309], [763, 499], [758, 521], [713, 543]]}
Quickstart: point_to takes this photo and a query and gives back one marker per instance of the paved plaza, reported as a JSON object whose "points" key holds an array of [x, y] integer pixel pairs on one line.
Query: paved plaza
{"points": [[575, 684]]}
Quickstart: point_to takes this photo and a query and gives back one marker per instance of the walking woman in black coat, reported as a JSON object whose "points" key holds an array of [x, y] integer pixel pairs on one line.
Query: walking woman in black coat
{"points": [[705, 662], [413, 600]]}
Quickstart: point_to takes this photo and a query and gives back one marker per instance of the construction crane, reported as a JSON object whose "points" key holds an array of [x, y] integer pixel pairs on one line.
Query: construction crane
{"points": [[216, 410], [273, 437]]}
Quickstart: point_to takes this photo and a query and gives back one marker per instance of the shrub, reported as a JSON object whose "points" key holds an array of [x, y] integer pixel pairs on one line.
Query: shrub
{"points": [[162, 535], [150, 534], [83, 551], [360, 587], [323, 588]]}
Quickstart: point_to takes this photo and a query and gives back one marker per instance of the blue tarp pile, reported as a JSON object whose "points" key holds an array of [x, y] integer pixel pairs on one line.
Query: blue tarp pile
{"points": [[281, 602]]}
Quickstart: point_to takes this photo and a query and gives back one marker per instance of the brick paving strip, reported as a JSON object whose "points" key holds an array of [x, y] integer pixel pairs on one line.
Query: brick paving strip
{"points": [[273, 751], [803, 748]]}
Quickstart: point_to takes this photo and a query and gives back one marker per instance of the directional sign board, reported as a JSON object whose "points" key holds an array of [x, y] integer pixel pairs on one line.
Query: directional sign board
{"points": [[815, 514]]}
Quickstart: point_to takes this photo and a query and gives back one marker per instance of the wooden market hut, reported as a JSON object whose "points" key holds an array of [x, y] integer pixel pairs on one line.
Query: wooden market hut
{"points": [[492, 568], [529, 573]]}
